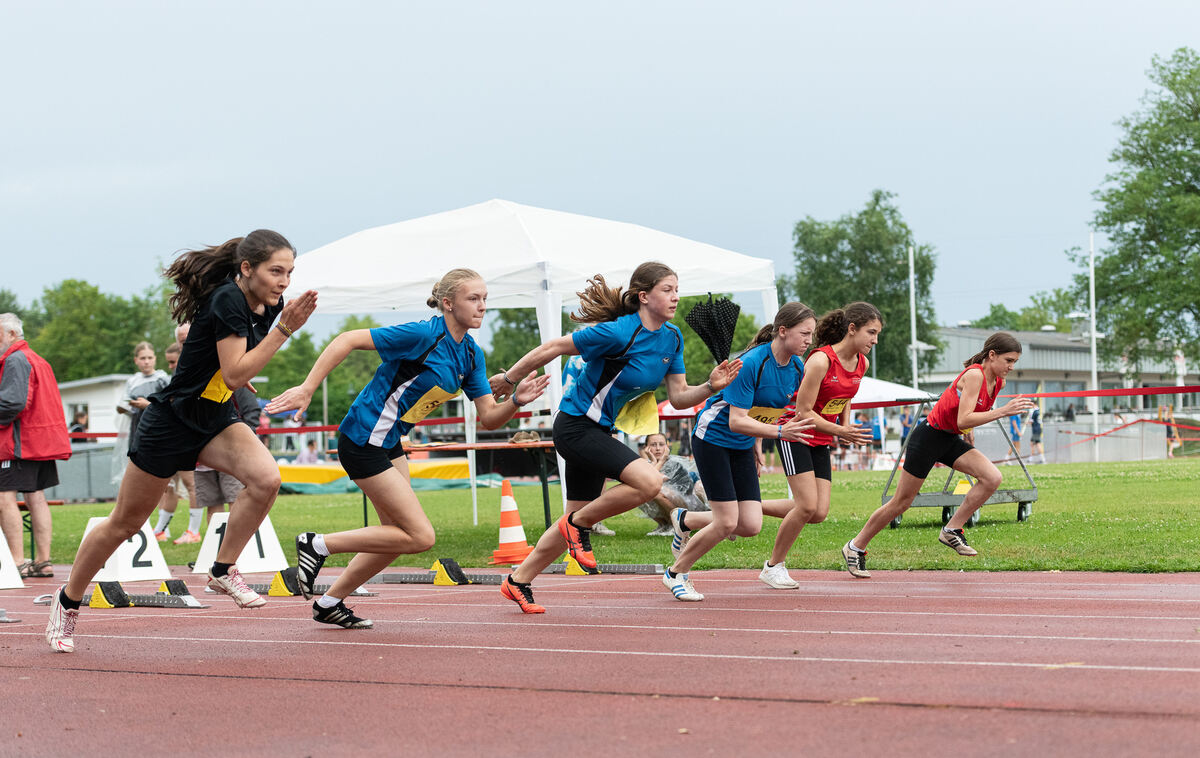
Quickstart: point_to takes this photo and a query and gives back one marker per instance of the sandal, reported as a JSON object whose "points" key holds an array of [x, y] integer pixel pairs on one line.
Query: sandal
{"points": [[40, 569], [24, 568]]}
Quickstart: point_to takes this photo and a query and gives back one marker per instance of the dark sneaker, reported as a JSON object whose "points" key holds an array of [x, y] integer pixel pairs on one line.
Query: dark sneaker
{"points": [[856, 562], [521, 594], [579, 544], [308, 564], [956, 541], [340, 615]]}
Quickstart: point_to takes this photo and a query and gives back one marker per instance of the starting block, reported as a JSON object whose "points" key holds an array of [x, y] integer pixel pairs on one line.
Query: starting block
{"points": [[4, 619], [286, 584], [571, 567], [447, 572], [172, 593]]}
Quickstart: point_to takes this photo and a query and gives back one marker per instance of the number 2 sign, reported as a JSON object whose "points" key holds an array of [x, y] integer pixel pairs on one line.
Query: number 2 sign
{"points": [[137, 559]]}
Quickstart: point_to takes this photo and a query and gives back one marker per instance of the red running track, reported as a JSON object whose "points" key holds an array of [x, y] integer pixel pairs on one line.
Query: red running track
{"points": [[906, 663]]}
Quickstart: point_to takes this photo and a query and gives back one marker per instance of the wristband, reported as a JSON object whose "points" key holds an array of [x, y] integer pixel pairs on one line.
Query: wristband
{"points": [[510, 381], [779, 432], [286, 332], [711, 390], [513, 398]]}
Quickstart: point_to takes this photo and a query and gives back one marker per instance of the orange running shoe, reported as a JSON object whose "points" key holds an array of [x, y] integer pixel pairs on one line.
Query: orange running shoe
{"points": [[521, 594], [579, 544]]}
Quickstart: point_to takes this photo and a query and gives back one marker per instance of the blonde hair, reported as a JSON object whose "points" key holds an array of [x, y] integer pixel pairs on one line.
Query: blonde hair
{"points": [[143, 345], [449, 284], [598, 302]]}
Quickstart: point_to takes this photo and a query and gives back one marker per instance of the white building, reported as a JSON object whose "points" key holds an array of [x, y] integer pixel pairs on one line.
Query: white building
{"points": [[98, 395]]}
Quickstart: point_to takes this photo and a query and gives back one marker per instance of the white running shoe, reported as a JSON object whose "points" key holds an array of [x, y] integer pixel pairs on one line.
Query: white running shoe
{"points": [[602, 530], [681, 588], [679, 535], [60, 628], [777, 576], [234, 585]]}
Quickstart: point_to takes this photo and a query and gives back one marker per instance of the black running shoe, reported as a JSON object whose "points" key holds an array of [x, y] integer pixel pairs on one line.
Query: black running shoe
{"points": [[308, 564], [341, 616]]}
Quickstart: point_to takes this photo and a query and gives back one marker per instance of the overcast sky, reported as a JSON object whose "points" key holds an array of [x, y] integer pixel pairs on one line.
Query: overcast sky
{"points": [[133, 130]]}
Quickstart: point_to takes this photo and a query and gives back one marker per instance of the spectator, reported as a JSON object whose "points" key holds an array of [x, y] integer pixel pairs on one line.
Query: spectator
{"points": [[183, 484], [33, 435], [1037, 451], [1069, 416], [79, 425], [906, 424], [309, 454], [1016, 423], [679, 489]]}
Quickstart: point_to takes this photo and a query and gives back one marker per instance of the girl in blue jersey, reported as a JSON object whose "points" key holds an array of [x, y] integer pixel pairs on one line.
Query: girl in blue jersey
{"points": [[232, 294], [425, 363], [723, 443], [630, 349]]}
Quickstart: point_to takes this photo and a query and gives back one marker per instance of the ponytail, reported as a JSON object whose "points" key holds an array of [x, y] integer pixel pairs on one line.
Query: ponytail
{"points": [[598, 302], [1000, 342], [197, 273], [449, 284], [834, 325], [785, 318]]}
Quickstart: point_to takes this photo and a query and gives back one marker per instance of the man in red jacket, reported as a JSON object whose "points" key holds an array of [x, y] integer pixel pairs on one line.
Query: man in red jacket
{"points": [[33, 435]]}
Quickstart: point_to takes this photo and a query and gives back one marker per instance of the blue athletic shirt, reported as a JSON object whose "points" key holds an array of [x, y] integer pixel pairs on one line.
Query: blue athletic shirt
{"points": [[623, 359], [762, 387], [422, 368]]}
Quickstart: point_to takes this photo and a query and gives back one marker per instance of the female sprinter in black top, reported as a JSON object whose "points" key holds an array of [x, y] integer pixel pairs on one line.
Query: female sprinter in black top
{"points": [[231, 293]]}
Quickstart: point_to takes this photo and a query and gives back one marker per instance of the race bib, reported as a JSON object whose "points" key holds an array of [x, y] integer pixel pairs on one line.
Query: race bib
{"points": [[766, 415], [835, 406], [216, 390], [429, 402], [639, 416]]}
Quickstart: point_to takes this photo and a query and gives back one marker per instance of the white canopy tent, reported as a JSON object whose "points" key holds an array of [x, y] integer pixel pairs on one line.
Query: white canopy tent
{"points": [[529, 257]]}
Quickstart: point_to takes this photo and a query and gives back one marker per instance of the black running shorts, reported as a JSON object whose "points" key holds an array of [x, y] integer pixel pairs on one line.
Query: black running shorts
{"points": [[799, 458], [928, 446], [364, 461], [728, 475], [591, 455]]}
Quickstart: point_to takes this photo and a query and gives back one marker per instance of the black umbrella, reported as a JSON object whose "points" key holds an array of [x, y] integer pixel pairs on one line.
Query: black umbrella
{"points": [[713, 322]]}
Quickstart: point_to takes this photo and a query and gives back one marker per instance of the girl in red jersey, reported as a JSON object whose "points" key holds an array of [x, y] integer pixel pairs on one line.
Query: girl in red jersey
{"points": [[832, 373], [967, 403]]}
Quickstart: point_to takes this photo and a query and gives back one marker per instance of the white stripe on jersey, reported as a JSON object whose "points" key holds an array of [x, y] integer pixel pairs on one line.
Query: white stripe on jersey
{"points": [[596, 410], [387, 417], [709, 416]]}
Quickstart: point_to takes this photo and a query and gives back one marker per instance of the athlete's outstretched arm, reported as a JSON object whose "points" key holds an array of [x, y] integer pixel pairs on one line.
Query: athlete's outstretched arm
{"points": [[239, 365], [493, 415], [504, 382], [683, 395], [297, 398]]}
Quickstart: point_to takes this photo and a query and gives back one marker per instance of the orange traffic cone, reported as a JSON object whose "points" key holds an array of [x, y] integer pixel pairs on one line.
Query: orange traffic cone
{"points": [[513, 547]]}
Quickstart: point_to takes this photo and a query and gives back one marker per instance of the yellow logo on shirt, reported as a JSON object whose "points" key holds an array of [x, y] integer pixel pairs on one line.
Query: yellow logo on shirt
{"points": [[766, 415], [216, 390], [429, 402], [835, 406]]}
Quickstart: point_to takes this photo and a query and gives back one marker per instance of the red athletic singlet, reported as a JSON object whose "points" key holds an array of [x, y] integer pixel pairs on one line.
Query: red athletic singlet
{"points": [[944, 416], [837, 389]]}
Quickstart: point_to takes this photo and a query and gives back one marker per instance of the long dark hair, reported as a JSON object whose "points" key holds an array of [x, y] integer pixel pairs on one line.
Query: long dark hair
{"points": [[834, 325], [1001, 342], [786, 317], [598, 302], [196, 273]]}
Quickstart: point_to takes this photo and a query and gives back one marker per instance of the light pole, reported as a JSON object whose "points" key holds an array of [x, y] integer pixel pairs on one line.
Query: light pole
{"points": [[912, 314], [1095, 401]]}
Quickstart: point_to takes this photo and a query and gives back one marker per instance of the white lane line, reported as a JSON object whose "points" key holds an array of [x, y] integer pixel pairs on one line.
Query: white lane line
{"points": [[733, 629], [1055, 665]]}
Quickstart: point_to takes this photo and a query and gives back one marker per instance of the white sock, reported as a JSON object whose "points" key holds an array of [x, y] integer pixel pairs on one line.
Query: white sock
{"points": [[164, 519], [195, 518], [326, 601], [318, 543], [854, 547]]}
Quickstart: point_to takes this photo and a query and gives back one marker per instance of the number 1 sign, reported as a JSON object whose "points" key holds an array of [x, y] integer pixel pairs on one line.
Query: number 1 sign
{"points": [[261, 554]]}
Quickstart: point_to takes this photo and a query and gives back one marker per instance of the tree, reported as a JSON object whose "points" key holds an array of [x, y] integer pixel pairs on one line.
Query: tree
{"points": [[9, 304], [516, 333], [865, 257], [348, 379], [85, 332], [1147, 292], [1053, 308]]}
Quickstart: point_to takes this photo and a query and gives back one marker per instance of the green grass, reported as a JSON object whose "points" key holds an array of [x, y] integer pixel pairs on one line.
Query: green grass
{"points": [[1096, 517]]}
